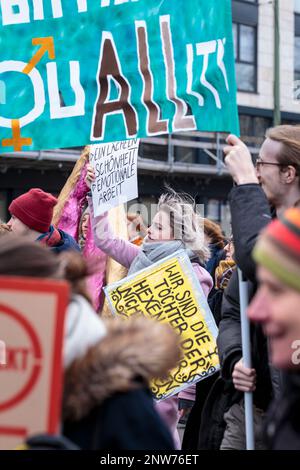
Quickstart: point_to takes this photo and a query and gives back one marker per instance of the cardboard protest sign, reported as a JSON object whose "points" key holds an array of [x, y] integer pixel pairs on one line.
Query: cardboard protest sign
{"points": [[115, 166], [109, 70], [170, 292], [32, 315]]}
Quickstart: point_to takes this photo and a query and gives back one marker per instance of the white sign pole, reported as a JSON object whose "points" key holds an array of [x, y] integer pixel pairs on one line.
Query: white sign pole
{"points": [[246, 345]]}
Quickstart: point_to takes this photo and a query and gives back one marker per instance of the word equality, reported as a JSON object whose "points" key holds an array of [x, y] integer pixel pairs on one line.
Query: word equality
{"points": [[110, 70]]}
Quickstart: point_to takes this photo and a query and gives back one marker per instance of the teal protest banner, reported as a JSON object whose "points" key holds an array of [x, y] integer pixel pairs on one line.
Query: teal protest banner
{"points": [[74, 72]]}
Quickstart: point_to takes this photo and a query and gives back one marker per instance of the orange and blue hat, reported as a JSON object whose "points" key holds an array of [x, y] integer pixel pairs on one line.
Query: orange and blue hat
{"points": [[278, 248]]}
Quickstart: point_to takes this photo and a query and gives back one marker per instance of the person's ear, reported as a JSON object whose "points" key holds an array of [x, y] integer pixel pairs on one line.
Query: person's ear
{"points": [[290, 174]]}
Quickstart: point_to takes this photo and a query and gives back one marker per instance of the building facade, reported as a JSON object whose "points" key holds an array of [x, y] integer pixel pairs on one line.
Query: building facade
{"points": [[268, 80]]}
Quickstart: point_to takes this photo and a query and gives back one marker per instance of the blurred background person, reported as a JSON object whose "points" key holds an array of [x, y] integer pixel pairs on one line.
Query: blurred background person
{"points": [[276, 306], [261, 191], [216, 242], [107, 403], [83, 228], [31, 216], [196, 426], [137, 230]]}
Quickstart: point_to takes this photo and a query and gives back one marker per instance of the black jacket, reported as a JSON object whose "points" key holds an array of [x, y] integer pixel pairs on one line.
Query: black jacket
{"points": [[250, 214], [230, 345], [107, 404], [223, 394], [125, 421], [282, 427], [217, 254]]}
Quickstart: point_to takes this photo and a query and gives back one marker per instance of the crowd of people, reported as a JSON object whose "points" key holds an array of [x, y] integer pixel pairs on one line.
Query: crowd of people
{"points": [[109, 363]]}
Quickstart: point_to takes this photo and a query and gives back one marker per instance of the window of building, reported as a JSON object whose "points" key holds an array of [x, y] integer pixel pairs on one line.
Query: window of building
{"points": [[297, 44], [245, 56], [297, 6], [297, 57], [254, 126]]}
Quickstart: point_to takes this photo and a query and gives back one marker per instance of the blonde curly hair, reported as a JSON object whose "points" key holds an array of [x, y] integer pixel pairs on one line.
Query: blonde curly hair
{"points": [[186, 223]]}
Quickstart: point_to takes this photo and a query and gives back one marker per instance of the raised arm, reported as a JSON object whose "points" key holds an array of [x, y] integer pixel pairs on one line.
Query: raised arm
{"points": [[250, 211], [120, 250]]}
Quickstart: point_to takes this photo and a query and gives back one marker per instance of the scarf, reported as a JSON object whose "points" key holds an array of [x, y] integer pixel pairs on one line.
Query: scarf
{"points": [[151, 252]]}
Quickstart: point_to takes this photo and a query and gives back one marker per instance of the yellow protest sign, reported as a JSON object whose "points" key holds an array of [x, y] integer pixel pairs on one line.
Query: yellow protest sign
{"points": [[170, 292]]}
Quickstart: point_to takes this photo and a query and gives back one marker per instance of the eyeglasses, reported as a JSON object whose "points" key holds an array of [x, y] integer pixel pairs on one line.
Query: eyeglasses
{"points": [[260, 162]]}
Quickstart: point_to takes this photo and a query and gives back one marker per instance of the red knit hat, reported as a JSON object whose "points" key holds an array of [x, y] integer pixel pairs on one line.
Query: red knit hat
{"points": [[34, 209]]}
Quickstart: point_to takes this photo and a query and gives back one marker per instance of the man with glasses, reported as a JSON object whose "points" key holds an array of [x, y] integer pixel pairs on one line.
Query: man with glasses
{"points": [[273, 183], [277, 167], [268, 177]]}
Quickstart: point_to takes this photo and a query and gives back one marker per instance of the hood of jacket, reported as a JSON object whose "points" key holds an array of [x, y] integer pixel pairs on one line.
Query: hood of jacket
{"points": [[133, 352], [67, 243], [58, 240]]}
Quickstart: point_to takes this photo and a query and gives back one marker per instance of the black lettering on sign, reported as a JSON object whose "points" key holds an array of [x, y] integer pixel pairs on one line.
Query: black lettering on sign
{"points": [[187, 344], [124, 300], [186, 304], [203, 339], [146, 298], [142, 287], [175, 278], [197, 364]]}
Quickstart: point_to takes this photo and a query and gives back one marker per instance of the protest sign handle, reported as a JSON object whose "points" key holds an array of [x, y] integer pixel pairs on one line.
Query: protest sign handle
{"points": [[246, 346], [249, 420]]}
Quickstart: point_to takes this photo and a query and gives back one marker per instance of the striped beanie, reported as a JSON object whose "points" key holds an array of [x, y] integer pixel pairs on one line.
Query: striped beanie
{"points": [[278, 248]]}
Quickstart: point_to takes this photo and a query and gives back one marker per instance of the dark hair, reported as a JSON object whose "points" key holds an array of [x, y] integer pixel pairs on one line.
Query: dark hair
{"points": [[77, 269], [21, 257], [214, 232]]}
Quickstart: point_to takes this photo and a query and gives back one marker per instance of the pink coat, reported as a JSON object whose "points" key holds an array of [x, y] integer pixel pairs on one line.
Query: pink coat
{"points": [[124, 253], [69, 221]]}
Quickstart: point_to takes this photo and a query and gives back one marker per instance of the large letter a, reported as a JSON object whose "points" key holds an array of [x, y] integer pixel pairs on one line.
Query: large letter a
{"points": [[110, 69]]}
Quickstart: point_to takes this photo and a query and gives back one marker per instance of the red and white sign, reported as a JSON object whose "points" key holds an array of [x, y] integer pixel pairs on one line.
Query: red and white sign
{"points": [[32, 313]]}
